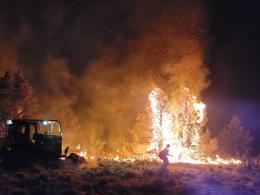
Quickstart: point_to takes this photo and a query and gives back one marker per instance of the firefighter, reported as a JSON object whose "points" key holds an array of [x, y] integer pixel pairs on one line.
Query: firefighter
{"points": [[164, 156]]}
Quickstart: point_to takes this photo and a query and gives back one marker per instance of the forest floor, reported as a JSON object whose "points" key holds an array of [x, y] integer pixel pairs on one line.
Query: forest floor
{"points": [[139, 177]]}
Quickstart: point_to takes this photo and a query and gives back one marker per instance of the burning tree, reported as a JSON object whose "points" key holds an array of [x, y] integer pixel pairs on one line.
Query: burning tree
{"points": [[208, 145], [180, 126], [160, 118], [190, 120]]}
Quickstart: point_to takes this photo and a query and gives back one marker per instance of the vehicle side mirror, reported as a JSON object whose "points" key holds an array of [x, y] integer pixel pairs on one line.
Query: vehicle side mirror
{"points": [[66, 150]]}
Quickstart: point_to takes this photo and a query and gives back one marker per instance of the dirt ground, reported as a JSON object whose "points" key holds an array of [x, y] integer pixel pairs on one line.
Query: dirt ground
{"points": [[139, 177]]}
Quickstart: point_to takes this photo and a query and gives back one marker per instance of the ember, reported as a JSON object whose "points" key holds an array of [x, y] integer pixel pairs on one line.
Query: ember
{"points": [[181, 128]]}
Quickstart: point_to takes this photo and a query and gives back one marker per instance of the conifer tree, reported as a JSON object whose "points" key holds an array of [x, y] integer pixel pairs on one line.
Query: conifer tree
{"points": [[17, 98], [234, 140]]}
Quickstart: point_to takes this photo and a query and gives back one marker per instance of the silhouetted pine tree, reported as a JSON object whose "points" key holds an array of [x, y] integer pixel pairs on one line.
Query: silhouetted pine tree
{"points": [[234, 140], [17, 98]]}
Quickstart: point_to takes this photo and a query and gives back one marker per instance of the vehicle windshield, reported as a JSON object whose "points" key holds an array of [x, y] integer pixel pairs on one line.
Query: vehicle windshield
{"points": [[49, 128]]}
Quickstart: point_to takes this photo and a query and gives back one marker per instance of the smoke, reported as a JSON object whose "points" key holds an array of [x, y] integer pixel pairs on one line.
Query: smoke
{"points": [[168, 53], [57, 96], [93, 64], [8, 60]]}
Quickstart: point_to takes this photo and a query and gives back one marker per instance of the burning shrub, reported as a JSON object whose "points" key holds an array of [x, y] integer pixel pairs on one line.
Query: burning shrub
{"points": [[208, 145]]}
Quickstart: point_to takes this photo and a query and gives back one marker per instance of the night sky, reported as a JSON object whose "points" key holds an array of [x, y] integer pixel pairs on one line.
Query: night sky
{"points": [[77, 31], [234, 62]]}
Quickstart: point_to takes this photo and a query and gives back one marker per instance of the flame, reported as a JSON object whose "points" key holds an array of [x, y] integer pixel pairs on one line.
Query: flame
{"points": [[180, 128], [83, 154], [200, 109], [117, 158], [78, 147]]}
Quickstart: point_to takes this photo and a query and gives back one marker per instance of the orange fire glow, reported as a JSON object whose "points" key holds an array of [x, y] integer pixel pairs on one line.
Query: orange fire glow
{"points": [[180, 128]]}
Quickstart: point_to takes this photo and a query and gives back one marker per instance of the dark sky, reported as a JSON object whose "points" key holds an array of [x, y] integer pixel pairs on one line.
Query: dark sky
{"points": [[54, 27], [234, 62], [235, 50]]}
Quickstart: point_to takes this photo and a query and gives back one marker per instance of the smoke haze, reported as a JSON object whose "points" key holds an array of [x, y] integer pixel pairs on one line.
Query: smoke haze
{"points": [[93, 65]]}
